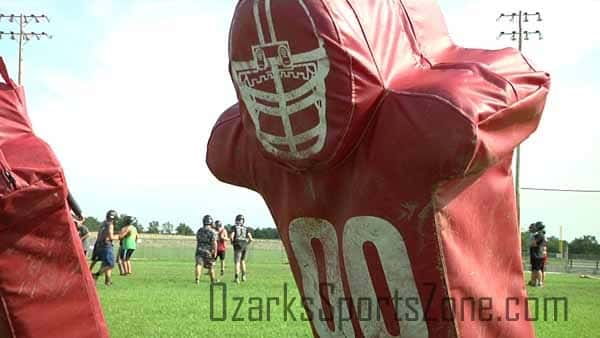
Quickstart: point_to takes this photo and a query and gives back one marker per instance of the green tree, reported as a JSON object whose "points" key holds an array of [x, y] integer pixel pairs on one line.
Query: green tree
{"points": [[265, 233], [120, 222], [153, 228], [524, 238], [553, 244], [586, 245], [92, 223], [184, 229], [167, 228], [137, 225]]}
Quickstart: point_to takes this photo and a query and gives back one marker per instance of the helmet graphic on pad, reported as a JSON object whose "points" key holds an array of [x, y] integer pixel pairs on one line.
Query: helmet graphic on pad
{"points": [[281, 80]]}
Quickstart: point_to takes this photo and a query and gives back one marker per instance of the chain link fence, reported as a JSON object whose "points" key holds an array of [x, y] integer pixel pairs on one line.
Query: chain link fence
{"points": [[567, 263], [183, 248]]}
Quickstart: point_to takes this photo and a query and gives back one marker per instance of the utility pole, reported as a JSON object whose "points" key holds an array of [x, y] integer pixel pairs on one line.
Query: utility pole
{"points": [[22, 36], [560, 244], [519, 35]]}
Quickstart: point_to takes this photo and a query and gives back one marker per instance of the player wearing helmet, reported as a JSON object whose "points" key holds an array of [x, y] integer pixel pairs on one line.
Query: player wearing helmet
{"points": [[104, 248], [206, 248], [240, 237], [222, 239], [129, 237]]}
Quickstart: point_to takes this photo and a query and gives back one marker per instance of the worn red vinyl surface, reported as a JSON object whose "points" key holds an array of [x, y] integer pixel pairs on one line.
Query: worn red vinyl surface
{"points": [[383, 152], [46, 289]]}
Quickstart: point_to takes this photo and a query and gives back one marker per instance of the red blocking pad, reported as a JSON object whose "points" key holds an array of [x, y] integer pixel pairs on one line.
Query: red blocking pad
{"points": [[369, 132], [46, 289]]}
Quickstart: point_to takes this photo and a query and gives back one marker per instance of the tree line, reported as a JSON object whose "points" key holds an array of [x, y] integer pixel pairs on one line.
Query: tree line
{"points": [[168, 228], [586, 245]]}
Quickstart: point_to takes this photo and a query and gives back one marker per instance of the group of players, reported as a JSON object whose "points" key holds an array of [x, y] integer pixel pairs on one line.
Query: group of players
{"points": [[538, 253], [211, 242], [103, 248]]}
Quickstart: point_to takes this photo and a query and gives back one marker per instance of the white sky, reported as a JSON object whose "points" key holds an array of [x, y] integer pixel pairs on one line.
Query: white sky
{"points": [[127, 93]]}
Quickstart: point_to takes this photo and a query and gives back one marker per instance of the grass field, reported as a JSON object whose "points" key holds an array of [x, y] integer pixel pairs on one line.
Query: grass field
{"points": [[161, 300]]}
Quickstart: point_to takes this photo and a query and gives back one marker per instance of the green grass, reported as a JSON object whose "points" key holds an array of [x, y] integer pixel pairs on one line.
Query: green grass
{"points": [[161, 300], [583, 304]]}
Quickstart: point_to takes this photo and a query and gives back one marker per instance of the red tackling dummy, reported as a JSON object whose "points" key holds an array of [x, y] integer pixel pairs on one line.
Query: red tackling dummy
{"points": [[384, 154], [46, 289]]}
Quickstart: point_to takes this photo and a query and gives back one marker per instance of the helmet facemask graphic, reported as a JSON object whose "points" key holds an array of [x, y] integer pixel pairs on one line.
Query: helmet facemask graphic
{"points": [[263, 88]]}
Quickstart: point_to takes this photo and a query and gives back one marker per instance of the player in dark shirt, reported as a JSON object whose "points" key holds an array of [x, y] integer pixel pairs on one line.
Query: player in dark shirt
{"points": [[241, 237], [206, 249], [104, 249], [539, 255]]}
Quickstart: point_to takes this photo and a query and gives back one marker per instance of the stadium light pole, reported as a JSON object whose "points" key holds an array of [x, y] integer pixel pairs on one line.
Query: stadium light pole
{"points": [[519, 35], [23, 36]]}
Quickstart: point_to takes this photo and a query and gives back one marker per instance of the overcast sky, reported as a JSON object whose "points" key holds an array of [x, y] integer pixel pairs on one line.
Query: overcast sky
{"points": [[127, 92]]}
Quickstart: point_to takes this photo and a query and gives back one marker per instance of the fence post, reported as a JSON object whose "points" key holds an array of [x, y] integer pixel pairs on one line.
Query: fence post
{"points": [[597, 264], [570, 264], [566, 258]]}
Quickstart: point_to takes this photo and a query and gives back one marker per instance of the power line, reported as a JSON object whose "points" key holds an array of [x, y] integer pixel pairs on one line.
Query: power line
{"points": [[22, 36], [562, 190], [519, 35]]}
